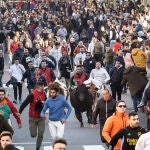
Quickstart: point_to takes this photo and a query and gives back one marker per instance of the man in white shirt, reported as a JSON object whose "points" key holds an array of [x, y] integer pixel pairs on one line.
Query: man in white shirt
{"points": [[143, 142], [100, 74], [16, 71]]}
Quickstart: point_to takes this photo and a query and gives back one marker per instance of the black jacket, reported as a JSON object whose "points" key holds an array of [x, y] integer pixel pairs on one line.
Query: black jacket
{"points": [[104, 109], [64, 70], [129, 137], [116, 75], [88, 65], [29, 76]]}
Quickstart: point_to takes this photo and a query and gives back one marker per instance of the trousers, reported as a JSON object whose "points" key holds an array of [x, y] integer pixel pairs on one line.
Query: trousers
{"points": [[56, 129], [37, 128]]}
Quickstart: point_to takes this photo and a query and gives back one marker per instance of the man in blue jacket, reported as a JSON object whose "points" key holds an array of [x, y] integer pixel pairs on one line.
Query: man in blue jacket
{"points": [[57, 113]]}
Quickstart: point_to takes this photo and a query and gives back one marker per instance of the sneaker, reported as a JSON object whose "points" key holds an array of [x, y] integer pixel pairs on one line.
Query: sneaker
{"points": [[20, 101], [15, 101], [140, 105]]}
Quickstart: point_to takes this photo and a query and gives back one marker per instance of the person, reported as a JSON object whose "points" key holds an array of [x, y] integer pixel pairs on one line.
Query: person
{"points": [[146, 95], [100, 73], [88, 63], [116, 122], [80, 57], [10, 147], [109, 58], [59, 144], [4, 125], [139, 56], [37, 77], [116, 75], [65, 69], [105, 107], [131, 75], [17, 70], [7, 107], [148, 115], [56, 104], [1, 67], [47, 72], [129, 135], [28, 75], [36, 123], [5, 139], [79, 77]]}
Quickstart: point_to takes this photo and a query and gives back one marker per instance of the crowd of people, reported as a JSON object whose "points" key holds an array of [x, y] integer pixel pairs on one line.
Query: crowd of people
{"points": [[74, 40]]}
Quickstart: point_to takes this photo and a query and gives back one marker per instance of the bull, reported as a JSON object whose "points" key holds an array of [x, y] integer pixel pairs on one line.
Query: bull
{"points": [[84, 98]]}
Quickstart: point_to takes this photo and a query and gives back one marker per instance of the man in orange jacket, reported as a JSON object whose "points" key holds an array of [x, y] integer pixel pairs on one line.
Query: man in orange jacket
{"points": [[116, 122]]}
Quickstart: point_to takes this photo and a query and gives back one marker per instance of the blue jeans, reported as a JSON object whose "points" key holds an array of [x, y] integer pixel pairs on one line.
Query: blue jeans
{"points": [[136, 99]]}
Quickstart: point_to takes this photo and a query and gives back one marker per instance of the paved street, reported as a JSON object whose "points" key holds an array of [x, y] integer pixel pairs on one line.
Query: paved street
{"points": [[77, 138]]}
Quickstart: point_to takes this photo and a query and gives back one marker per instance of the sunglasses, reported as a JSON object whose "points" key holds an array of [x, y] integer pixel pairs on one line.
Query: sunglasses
{"points": [[124, 106]]}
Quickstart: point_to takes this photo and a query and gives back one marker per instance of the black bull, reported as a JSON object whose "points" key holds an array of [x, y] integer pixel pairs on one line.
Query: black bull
{"points": [[81, 99]]}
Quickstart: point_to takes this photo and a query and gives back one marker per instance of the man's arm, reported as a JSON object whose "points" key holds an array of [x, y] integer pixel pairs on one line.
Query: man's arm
{"points": [[95, 113], [116, 137], [68, 109], [107, 129], [26, 102], [107, 76], [14, 112]]}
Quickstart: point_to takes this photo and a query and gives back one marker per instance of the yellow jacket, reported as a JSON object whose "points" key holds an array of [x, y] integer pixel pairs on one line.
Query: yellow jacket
{"points": [[139, 57]]}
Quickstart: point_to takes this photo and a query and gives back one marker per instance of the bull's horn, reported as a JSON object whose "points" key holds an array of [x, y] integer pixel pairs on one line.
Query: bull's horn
{"points": [[46, 87]]}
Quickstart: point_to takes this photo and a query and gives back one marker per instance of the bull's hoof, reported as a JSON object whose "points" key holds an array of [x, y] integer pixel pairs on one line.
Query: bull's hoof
{"points": [[81, 125]]}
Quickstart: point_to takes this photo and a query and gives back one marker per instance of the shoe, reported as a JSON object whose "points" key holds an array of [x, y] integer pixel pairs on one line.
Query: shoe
{"points": [[20, 101], [140, 105], [15, 101]]}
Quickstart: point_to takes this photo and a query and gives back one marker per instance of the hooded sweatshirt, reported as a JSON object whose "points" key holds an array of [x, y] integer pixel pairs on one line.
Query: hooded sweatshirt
{"points": [[139, 57]]}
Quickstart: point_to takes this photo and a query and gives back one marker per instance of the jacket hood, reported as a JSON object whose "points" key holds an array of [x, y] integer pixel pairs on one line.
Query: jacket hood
{"points": [[135, 51]]}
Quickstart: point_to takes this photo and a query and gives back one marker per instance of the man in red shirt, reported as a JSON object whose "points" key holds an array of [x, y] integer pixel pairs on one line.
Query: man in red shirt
{"points": [[47, 72], [79, 77]]}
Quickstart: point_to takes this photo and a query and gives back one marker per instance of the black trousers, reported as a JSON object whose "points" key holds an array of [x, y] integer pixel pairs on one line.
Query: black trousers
{"points": [[101, 128], [17, 87], [116, 90]]}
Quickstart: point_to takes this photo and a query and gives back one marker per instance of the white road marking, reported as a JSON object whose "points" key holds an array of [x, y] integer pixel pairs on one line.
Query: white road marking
{"points": [[31, 143], [48, 148], [20, 147], [93, 147]]}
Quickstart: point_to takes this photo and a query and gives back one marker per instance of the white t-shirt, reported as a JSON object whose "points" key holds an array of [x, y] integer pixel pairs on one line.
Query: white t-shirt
{"points": [[143, 142], [17, 71], [100, 75]]}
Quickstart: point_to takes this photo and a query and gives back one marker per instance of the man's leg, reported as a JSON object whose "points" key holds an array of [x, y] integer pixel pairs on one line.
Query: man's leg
{"points": [[20, 92], [52, 129], [119, 91], [60, 129], [41, 129], [113, 90], [15, 93], [135, 102], [33, 127]]}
